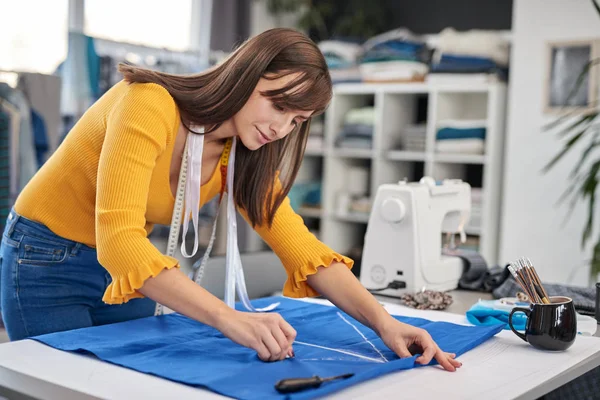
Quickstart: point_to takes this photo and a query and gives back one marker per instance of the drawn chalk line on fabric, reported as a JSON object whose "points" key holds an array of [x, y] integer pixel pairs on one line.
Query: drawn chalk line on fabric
{"points": [[350, 353], [363, 336]]}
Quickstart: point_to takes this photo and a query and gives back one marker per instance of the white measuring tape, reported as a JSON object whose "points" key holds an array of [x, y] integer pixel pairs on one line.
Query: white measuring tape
{"points": [[189, 189]]}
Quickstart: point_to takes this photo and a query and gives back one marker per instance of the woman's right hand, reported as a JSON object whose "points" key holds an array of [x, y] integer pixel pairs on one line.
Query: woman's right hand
{"points": [[266, 333]]}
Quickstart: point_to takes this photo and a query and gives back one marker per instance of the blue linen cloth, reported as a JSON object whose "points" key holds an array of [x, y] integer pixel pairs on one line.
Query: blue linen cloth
{"points": [[183, 350], [460, 133], [485, 313]]}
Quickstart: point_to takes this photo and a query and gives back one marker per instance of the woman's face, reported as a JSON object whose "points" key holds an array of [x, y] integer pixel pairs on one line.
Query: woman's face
{"points": [[260, 121]]}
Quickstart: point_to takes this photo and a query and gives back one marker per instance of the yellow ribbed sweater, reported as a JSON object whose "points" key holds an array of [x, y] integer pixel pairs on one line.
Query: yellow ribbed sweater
{"points": [[108, 183]]}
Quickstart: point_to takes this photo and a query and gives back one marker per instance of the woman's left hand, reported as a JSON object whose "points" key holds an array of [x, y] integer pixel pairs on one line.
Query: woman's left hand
{"points": [[405, 340]]}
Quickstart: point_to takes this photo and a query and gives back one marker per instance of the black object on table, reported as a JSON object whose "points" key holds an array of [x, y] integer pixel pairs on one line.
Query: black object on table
{"points": [[297, 384], [598, 302]]}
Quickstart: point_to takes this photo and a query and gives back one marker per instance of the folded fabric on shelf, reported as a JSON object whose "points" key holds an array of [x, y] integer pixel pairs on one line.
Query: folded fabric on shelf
{"points": [[361, 115], [357, 129], [441, 77], [398, 34], [398, 70], [397, 50], [355, 142], [475, 42], [461, 146], [465, 62], [461, 123], [444, 133], [342, 60], [340, 50]]}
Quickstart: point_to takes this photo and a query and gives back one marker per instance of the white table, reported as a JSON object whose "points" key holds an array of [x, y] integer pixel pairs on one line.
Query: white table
{"points": [[504, 367]]}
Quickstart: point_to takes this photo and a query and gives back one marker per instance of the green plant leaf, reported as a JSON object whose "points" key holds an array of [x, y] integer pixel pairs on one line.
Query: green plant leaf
{"points": [[572, 191], [584, 72], [570, 143], [595, 263], [586, 153], [596, 6], [588, 189], [583, 119], [570, 113]]}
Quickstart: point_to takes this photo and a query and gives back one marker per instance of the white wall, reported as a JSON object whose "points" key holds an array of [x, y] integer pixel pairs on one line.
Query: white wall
{"points": [[532, 220]]}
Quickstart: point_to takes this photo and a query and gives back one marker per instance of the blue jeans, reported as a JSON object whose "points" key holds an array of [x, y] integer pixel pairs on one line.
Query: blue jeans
{"points": [[51, 284]]}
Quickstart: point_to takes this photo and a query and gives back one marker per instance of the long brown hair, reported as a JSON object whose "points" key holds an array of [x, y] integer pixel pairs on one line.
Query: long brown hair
{"points": [[212, 97]]}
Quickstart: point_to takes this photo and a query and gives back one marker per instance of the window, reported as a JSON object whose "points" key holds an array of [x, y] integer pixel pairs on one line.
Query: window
{"points": [[33, 35], [154, 23]]}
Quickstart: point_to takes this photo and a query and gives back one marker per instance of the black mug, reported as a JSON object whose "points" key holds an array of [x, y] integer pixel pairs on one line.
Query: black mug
{"points": [[549, 326]]}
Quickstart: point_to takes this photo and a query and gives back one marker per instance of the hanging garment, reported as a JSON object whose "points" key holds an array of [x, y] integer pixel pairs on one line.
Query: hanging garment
{"points": [[43, 94], [328, 343], [5, 202], [40, 137], [26, 150], [13, 147]]}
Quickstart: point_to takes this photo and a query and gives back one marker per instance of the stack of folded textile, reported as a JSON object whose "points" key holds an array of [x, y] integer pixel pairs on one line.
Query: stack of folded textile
{"points": [[474, 53], [414, 137], [315, 138], [461, 136], [394, 56], [342, 60], [357, 129]]}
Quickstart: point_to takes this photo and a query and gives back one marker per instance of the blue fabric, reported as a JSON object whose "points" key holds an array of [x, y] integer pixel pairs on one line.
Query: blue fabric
{"points": [[469, 61], [40, 137], [50, 284], [93, 60], [482, 314], [183, 350], [5, 201], [460, 133], [395, 50]]}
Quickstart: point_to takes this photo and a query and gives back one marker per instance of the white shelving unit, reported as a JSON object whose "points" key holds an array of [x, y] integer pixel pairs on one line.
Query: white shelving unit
{"points": [[396, 107]]}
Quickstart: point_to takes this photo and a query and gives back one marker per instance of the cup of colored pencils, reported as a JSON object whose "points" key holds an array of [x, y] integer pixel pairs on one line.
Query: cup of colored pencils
{"points": [[526, 276]]}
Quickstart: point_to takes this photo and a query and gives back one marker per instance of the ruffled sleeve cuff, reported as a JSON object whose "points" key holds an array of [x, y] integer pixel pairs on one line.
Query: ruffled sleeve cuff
{"points": [[297, 286], [124, 286]]}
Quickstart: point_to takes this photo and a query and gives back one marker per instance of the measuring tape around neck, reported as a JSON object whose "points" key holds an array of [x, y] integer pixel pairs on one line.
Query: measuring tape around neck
{"points": [[178, 212], [234, 272]]}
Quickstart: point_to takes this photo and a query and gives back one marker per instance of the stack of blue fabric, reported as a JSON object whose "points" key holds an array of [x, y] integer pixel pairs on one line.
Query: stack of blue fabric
{"points": [[357, 129], [394, 56], [471, 52], [342, 60], [461, 136]]}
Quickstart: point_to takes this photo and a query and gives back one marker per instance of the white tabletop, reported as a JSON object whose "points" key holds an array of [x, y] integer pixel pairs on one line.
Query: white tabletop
{"points": [[504, 367]]}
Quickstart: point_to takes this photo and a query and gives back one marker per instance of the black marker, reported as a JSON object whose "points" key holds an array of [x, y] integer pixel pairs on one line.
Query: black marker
{"points": [[297, 384]]}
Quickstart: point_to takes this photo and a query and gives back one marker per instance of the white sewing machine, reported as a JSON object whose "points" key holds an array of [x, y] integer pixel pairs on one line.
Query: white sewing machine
{"points": [[403, 242]]}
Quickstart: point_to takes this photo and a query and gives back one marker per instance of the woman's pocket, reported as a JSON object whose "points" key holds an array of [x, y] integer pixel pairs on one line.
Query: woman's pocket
{"points": [[40, 251]]}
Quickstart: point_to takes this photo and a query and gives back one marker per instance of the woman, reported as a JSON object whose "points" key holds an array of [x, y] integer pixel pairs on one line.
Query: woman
{"points": [[75, 250]]}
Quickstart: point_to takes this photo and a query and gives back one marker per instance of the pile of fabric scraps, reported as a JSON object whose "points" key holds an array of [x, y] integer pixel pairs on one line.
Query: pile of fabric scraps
{"points": [[427, 300], [474, 52], [461, 136], [395, 56], [357, 129]]}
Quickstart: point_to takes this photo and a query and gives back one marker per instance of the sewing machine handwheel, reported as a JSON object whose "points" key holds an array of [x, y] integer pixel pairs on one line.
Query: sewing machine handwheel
{"points": [[393, 210]]}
